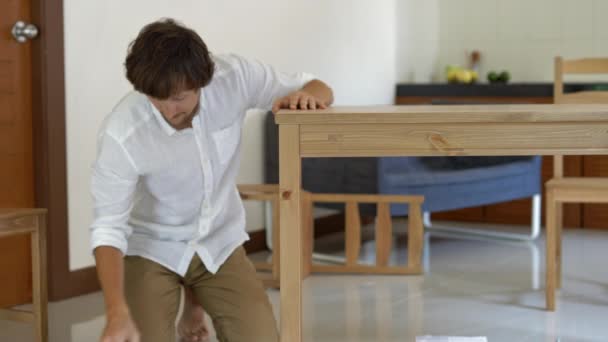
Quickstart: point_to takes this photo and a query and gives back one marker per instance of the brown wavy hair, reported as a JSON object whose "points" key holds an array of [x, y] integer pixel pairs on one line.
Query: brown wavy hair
{"points": [[166, 58]]}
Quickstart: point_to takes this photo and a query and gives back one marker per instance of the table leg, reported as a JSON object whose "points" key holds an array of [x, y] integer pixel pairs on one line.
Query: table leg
{"points": [[291, 236], [550, 222]]}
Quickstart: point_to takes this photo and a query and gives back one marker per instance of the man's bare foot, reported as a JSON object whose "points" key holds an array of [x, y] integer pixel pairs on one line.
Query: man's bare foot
{"points": [[192, 326]]}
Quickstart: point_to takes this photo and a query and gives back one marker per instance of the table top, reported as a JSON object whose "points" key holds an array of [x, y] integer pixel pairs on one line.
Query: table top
{"points": [[512, 113]]}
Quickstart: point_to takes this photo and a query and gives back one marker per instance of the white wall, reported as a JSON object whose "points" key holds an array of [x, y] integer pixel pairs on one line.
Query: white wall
{"points": [[417, 39], [522, 36], [348, 43]]}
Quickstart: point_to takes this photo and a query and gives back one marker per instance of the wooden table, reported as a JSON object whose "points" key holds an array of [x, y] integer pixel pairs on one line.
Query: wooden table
{"points": [[417, 131], [30, 221]]}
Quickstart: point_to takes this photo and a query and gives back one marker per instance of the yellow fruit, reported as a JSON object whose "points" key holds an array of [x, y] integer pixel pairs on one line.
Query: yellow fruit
{"points": [[464, 76], [475, 76], [452, 75]]}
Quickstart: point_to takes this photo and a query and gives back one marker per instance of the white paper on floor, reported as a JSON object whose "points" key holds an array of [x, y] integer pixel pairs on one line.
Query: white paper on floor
{"points": [[450, 339]]}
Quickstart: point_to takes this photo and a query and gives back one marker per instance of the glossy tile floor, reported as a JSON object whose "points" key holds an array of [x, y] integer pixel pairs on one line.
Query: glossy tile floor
{"points": [[472, 288]]}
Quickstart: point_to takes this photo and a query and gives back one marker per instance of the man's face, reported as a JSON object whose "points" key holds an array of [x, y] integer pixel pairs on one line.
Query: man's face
{"points": [[179, 109]]}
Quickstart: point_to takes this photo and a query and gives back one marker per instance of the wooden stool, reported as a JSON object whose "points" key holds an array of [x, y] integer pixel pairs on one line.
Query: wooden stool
{"points": [[270, 192], [30, 221]]}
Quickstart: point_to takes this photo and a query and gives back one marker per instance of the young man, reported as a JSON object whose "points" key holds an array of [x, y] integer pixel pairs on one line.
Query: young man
{"points": [[164, 189]]}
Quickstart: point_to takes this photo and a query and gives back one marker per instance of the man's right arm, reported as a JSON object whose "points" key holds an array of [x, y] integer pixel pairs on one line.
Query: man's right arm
{"points": [[110, 270], [119, 323], [113, 186]]}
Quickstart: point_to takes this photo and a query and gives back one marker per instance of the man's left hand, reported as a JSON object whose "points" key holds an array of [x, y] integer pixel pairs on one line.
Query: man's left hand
{"points": [[298, 100]]}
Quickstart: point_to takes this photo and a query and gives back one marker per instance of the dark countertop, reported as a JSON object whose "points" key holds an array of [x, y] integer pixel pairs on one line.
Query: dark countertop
{"points": [[492, 90]]}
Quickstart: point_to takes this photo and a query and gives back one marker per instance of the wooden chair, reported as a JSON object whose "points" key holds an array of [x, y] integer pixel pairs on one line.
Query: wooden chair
{"points": [[270, 192], [33, 222], [383, 234], [562, 189]]}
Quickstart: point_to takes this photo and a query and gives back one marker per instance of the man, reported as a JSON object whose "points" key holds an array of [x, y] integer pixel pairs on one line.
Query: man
{"points": [[164, 189]]}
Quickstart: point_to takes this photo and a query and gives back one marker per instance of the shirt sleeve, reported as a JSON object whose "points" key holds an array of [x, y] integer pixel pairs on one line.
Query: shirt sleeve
{"points": [[264, 84], [113, 185]]}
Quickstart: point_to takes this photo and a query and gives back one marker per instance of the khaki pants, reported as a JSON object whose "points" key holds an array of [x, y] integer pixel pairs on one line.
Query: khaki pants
{"points": [[233, 297]]}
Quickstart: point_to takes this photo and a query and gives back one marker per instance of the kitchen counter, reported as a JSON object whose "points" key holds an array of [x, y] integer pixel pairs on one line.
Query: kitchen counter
{"points": [[491, 90]]}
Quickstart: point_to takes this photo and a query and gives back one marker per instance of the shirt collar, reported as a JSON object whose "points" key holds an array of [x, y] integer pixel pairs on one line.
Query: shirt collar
{"points": [[161, 120]]}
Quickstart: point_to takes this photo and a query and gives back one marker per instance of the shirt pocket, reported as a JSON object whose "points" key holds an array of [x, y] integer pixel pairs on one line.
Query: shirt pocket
{"points": [[226, 141]]}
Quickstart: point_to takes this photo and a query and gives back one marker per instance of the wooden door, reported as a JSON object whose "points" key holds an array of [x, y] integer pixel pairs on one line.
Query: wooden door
{"points": [[16, 154]]}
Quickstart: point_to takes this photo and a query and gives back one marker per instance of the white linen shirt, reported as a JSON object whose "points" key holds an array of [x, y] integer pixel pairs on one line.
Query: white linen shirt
{"points": [[164, 194]]}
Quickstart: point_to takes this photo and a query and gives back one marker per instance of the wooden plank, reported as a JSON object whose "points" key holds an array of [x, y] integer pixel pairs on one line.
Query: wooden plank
{"points": [[269, 281], [258, 196], [454, 139], [591, 183], [18, 224], [429, 114], [384, 234], [586, 66], [364, 269], [14, 232], [291, 239], [263, 188], [353, 233], [415, 235], [580, 195], [366, 198]]}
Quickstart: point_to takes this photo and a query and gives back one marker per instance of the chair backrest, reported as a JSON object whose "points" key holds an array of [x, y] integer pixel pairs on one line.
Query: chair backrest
{"points": [[585, 66]]}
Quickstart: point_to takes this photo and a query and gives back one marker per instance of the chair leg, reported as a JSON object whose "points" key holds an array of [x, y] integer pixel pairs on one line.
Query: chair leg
{"points": [[39, 291], [559, 223], [415, 238], [551, 251]]}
